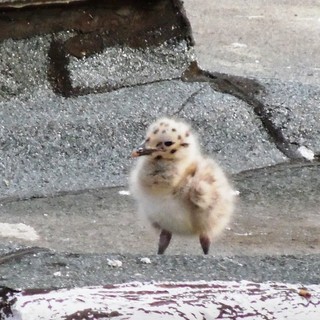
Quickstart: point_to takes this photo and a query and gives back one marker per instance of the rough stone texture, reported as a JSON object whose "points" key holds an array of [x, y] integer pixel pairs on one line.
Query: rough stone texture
{"points": [[69, 123], [51, 269], [229, 130], [295, 109], [52, 144], [23, 67], [276, 213], [124, 66], [85, 142]]}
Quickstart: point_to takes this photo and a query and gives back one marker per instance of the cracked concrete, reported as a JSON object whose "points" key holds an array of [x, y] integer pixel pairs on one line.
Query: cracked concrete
{"points": [[295, 110], [52, 143], [254, 94], [66, 138], [212, 112]]}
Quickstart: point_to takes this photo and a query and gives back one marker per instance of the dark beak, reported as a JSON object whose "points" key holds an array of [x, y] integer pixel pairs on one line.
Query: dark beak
{"points": [[142, 150]]}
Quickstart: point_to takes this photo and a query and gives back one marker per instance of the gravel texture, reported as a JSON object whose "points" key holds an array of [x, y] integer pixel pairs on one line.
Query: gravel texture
{"points": [[276, 213], [296, 110], [229, 127], [123, 66], [52, 144], [23, 67], [47, 269]]}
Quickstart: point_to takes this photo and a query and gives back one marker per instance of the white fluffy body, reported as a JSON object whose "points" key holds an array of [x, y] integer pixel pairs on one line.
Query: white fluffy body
{"points": [[177, 188]]}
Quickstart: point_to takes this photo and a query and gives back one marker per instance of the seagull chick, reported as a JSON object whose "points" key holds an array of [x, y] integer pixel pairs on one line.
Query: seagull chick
{"points": [[177, 189]]}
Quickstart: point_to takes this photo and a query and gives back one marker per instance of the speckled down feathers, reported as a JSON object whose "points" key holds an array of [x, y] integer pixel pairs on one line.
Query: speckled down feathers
{"points": [[176, 187]]}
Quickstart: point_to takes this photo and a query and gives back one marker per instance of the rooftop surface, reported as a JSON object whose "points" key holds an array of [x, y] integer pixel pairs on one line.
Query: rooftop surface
{"points": [[74, 102]]}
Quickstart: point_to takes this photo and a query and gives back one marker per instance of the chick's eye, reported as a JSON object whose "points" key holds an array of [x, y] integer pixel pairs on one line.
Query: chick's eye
{"points": [[168, 143]]}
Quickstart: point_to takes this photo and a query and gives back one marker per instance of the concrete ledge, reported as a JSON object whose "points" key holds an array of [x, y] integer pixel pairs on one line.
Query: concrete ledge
{"points": [[71, 109]]}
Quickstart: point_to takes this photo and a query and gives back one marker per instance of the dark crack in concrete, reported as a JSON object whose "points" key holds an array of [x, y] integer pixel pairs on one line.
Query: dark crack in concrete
{"points": [[58, 73], [244, 89], [188, 100], [17, 255]]}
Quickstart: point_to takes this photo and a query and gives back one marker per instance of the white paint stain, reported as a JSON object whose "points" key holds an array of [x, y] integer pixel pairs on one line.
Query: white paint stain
{"points": [[114, 263], [236, 192], [238, 45], [19, 231], [145, 260], [246, 234], [306, 153], [124, 192], [57, 274]]}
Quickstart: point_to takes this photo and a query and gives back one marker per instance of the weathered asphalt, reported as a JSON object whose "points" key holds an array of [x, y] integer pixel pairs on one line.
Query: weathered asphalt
{"points": [[274, 237], [65, 159]]}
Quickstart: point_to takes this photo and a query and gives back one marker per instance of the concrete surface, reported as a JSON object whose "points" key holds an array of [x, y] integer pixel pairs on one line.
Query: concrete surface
{"points": [[64, 159], [80, 138], [47, 269], [277, 213], [269, 39]]}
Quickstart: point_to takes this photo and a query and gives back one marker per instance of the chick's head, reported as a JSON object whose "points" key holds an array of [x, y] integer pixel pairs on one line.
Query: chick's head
{"points": [[168, 139]]}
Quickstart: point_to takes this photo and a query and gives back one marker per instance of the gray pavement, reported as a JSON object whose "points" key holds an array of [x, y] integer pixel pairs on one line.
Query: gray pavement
{"points": [[65, 154], [47, 269], [260, 39], [276, 214]]}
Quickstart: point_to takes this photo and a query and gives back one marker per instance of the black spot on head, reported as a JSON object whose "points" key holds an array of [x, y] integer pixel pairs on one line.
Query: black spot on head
{"points": [[173, 130], [168, 143], [184, 144], [159, 144], [164, 131], [148, 139], [173, 151], [156, 131], [187, 134], [179, 137], [158, 157]]}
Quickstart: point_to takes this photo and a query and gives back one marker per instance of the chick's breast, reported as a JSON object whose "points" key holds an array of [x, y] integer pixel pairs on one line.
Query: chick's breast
{"points": [[159, 204]]}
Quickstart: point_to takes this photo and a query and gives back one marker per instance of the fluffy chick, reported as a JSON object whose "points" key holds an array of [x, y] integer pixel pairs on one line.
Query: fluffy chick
{"points": [[177, 189]]}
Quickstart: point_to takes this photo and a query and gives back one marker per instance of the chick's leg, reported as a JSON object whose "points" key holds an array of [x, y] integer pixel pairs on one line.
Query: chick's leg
{"points": [[164, 240], [205, 243]]}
